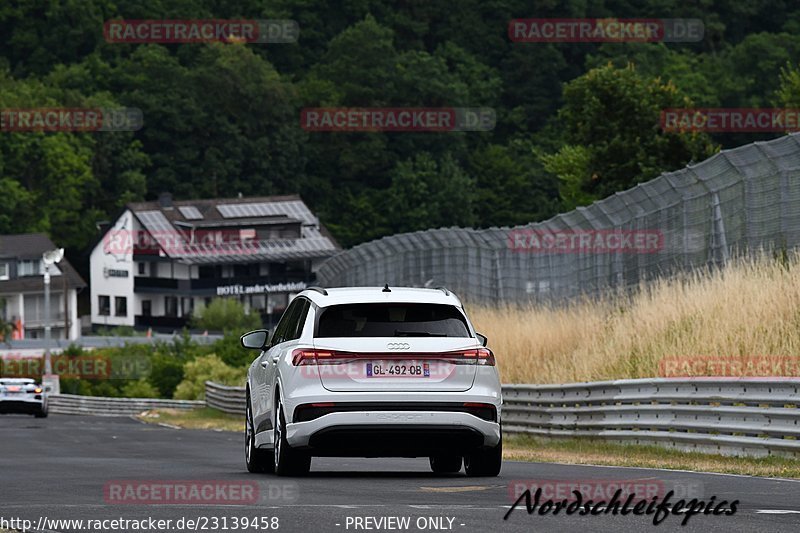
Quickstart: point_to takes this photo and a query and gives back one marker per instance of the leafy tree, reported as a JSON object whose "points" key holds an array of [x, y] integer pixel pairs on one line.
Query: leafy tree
{"points": [[748, 74], [612, 137], [6, 328], [63, 183], [218, 122], [140, 388], [222, 119], [207, 368], [513, 187], [166, 372], [227, 315], [426, 194], [17, 207], [788, 94], [230, 350]]}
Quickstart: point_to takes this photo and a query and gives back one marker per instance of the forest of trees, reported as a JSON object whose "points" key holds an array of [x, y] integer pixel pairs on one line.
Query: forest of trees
{"points": [[575, 122]]}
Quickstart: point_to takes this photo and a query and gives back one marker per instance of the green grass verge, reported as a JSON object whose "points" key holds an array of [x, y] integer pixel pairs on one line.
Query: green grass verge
{"points": [[202, 418], [598, 452]]}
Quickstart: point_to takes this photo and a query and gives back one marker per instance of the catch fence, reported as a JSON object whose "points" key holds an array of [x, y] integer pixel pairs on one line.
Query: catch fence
{"points": [[739, 200]]}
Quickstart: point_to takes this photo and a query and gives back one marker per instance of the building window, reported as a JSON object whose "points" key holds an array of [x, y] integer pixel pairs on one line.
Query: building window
{"points": [[104, 305], [170, 306], [147, 308], [35, 310], [187, 306], [29, 267], [120, 306], [141, 269], [3, 271], [241, 271]]}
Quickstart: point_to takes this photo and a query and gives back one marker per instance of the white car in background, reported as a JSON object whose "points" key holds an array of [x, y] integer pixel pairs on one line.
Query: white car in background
{"points": [[22, 396], [373, 372]]}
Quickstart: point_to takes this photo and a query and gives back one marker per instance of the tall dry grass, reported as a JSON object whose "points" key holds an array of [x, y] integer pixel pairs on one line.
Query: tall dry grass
{"points": [[749, 309]]}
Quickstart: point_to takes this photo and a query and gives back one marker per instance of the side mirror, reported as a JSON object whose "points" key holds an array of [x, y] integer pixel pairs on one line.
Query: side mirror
{"points": [[255, 340], [482, 338]]}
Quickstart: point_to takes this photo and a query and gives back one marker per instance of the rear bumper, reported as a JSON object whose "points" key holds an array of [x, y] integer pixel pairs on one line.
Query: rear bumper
{"points": [[392, 434], [20, 406]]}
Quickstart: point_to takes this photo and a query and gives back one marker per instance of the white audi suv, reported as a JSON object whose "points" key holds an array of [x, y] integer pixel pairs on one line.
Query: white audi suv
{"points": [[373, 372]]}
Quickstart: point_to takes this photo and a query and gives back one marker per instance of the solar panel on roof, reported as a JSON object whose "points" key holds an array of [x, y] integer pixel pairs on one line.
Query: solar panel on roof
{"points": [[190, 212], [293, 208]]}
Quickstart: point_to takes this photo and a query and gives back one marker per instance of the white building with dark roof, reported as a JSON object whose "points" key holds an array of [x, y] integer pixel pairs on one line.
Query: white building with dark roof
{"points": [[158, 261], [22, 289]]}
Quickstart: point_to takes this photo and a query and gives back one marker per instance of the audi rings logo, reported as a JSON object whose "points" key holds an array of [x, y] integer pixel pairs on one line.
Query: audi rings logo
{"points": [[398, 346]]}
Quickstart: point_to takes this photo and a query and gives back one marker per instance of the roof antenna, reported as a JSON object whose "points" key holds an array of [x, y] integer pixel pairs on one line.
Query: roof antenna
{"points": [[386, 288]]}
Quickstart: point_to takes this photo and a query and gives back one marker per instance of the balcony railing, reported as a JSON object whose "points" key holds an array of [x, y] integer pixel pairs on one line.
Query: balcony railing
{"points": [[38, 319]]}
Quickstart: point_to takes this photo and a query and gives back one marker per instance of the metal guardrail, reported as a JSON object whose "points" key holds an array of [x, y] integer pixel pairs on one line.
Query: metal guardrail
{"points": [[70, 404], [745, 416], [226, 399], [732, 416]]}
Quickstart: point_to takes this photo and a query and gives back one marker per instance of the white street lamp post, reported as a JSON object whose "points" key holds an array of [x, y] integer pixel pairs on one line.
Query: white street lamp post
{"points": [[50, 257]]}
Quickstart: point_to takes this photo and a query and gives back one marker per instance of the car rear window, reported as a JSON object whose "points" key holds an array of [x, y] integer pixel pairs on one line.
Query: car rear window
{"points": [[392, 320]]}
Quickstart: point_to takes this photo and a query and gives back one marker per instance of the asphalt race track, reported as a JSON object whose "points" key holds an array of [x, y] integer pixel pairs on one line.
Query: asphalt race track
{"points": [[66, 467]]}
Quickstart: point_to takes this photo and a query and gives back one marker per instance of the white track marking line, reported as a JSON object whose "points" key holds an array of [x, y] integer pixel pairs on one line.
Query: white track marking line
{"points": [[662, 470]]}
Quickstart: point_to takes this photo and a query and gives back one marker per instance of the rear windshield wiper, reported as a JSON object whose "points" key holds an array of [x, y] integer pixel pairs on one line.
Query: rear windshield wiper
{"points": [[401, 333]]}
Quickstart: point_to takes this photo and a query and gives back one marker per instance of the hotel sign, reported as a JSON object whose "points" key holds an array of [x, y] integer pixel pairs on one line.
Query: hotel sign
{"points": [[115, 273], [259, 288]]}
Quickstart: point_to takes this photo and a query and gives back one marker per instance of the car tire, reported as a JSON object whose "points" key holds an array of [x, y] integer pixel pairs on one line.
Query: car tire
{"points": [[445, 464], [288, 461], [256, 459], [485, 462], [41, 413]]}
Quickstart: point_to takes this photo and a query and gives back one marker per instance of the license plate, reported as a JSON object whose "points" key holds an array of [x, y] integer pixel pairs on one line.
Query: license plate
{"points": [[409, 369]]}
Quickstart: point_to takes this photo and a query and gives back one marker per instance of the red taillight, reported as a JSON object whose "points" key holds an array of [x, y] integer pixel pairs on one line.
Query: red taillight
{"points": [[308, 356], [483, 356]]}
